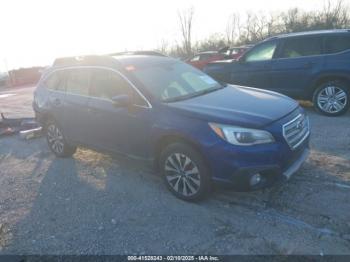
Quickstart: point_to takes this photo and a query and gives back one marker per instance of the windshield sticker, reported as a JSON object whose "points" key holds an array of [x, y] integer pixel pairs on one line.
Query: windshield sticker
{"points": [[208, 80]]}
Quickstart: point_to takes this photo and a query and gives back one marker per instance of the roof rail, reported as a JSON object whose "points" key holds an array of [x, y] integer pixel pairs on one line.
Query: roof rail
{"points": [[85, 59]]}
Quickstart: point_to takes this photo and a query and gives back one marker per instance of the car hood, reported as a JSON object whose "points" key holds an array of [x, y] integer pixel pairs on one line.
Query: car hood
{"points": [[237, 105]]}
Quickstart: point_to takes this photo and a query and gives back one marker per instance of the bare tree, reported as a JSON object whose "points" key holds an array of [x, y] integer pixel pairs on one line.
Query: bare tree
{"points": [[163, 46], [257, 26], [274, 24], [333, 16], [213, 43], [233, 29], [185, 19], [254, 29]]}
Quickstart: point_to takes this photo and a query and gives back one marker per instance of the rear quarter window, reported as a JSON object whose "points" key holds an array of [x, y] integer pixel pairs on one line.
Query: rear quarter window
{"points": [[337, 43]]}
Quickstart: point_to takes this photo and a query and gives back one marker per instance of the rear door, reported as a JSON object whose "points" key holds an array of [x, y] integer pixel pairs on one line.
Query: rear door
{"points": [[297, 61], [254, 68], [55, 85], [76, 114]]}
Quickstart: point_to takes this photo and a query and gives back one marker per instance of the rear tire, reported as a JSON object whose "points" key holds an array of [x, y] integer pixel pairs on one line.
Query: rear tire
{"points": [[185, 172], [332, 98], [56, 141]]}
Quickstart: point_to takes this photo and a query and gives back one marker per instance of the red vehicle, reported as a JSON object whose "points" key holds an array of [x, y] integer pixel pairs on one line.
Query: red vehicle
{"points": [[237, 52], [200, 60]]}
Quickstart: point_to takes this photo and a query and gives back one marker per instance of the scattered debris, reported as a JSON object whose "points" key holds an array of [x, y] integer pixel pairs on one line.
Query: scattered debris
{"points": [[29, 124], [31, 133], [27, 127], [7, 131]]}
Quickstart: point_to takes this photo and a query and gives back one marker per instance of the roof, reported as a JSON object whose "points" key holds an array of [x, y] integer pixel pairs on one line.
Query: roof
{"points": [[111, 60], [315, 32]]}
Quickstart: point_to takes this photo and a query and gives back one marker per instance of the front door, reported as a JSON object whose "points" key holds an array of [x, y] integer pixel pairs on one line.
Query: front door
{"points": [[76, 105], [254, 68], [117, 128]]}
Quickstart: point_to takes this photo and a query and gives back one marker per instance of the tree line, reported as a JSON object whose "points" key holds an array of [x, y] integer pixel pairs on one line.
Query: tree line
{"points": [[254, 27]]}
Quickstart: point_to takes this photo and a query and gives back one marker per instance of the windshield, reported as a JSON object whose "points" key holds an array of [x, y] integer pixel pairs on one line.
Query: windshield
{"points": [[175, 81]]}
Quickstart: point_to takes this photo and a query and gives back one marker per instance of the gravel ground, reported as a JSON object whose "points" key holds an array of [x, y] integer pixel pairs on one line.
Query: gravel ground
{"points": [[17, 102], [100, 204]]}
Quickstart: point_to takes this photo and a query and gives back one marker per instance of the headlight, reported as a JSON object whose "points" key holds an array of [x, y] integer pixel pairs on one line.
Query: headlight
{"points": [[242, 136]]}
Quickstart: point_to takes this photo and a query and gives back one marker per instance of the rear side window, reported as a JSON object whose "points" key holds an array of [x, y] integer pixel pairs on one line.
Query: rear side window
{"points": [[303, 46], [78, 82], [55, 81], [337, 43]]}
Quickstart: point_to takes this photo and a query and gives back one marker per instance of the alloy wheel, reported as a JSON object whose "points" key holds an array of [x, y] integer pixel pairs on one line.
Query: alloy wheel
{"points": [[332, 99], [55, 139], [182, 174]]}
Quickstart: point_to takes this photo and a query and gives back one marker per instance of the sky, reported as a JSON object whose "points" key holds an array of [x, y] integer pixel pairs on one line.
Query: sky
{"points": [[35, 32]]}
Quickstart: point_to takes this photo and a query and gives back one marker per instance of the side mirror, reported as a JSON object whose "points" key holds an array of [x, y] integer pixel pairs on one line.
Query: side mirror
{"points": [[121, 101]]}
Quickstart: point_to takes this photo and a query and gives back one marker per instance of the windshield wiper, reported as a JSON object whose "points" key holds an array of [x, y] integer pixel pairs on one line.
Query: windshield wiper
{"points": [[188, 96]]}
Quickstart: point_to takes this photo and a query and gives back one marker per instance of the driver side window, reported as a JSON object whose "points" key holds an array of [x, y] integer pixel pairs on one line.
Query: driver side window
{"points": [[262, 52], [108, 84]]}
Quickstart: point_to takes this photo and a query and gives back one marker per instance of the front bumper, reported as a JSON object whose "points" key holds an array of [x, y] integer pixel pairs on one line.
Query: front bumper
{"points": [[234, 166], [296, 165], [271, 173]]}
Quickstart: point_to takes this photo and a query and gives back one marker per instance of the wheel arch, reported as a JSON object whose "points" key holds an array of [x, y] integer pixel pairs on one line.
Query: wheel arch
{"points": [[327, 78], [170, 139], [45, 118]]}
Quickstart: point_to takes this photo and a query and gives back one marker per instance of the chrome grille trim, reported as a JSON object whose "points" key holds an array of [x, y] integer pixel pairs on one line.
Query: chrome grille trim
{"points": [[295, 135]]}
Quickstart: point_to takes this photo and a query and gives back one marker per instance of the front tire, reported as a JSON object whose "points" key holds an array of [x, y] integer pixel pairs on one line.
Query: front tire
{"points": [[332, 98], [184, 172], [56, 141]]}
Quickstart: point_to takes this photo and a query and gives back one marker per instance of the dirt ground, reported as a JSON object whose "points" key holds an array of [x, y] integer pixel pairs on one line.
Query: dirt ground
{"points": [[99, 204]]}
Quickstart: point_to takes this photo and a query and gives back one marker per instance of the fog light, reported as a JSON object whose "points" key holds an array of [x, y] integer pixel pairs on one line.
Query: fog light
{"points": [[255, 179]]}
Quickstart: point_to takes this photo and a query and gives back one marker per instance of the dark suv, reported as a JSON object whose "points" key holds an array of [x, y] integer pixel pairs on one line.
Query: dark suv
{"points": [[311, 66], [193, 128]]}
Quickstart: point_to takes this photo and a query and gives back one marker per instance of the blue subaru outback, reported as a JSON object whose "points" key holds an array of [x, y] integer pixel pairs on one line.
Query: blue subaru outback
{"points": [[311, 66], [195, 129]]}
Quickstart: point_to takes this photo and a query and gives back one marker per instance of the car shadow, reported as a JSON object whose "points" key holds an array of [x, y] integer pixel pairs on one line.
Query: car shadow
{"points": [[91, 204]]}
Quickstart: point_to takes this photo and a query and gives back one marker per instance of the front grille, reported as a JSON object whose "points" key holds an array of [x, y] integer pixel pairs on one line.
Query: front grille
{"points": [[296, 131]]}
